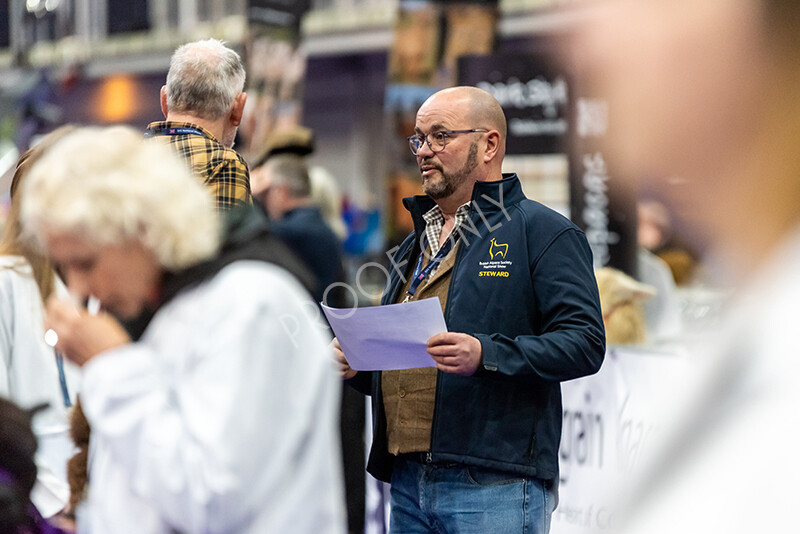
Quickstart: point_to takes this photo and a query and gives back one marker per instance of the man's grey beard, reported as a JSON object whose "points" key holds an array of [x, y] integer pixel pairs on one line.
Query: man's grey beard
{"points": [[450, 182]]}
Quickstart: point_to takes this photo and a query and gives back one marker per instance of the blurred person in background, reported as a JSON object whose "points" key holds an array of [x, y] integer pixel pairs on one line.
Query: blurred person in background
{"points": [[662, 312], [18, 473], [31, 372], [327, 196], [203, 104], [709, 93], [325, 193], [656, 234], [215, 410], [283, 187]]}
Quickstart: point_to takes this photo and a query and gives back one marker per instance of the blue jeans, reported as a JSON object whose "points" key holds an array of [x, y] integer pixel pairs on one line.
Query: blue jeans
{"points": [[456, 499]]}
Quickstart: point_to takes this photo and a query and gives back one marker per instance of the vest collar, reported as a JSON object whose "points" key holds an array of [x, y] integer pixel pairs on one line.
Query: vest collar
{"points": [[486, 195]]}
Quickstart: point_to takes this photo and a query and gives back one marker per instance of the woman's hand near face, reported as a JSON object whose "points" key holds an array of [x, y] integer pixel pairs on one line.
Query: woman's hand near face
{"points": [[81, 335]]}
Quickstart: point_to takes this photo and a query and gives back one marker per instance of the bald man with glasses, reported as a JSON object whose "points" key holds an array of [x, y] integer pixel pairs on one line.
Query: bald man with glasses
{"points": [[471, 446]]}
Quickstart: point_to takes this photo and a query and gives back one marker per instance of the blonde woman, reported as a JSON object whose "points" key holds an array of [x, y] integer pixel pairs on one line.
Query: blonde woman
{"points": [[219, 412]]}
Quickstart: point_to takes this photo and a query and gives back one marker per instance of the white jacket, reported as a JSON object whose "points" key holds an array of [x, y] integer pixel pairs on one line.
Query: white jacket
{"points": [[29, 376], [223, 418]]}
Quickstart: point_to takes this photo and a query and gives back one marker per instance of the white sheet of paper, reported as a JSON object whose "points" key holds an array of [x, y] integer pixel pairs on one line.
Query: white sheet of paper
{"points": [[394, 336]]}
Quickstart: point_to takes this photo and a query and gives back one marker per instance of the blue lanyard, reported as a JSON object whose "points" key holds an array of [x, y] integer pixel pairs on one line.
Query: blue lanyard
{"points": [[173, 131], [421, 274], [63, 379]]}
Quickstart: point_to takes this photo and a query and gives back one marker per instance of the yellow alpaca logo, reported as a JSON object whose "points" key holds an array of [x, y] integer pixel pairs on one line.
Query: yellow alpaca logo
{"points": [[498, 249]]}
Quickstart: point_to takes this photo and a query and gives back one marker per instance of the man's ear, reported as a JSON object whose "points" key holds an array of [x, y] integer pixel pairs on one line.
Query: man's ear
{"points": [[164, 107], [492, 146], [238, 109]]}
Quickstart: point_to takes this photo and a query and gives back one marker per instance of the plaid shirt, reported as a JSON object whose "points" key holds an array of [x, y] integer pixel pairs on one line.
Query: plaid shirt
{"points": [[434, 219], [221, 169]]}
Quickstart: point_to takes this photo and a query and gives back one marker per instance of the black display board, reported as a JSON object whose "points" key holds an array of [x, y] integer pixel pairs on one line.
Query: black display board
{"points": [[534, 94], [549, 112], [279, 13]]}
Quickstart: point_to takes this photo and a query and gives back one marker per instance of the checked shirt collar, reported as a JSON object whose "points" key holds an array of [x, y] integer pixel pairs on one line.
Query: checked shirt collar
{"points": [[434, 220]]}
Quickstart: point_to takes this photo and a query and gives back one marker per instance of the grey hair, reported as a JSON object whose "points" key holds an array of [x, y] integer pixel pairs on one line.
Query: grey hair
{"points": [[108, 185], [204, 78], [291, 171]]}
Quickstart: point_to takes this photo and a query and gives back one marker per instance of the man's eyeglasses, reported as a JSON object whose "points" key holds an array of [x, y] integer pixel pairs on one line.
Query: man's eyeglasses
{"points": [[436, 140]]}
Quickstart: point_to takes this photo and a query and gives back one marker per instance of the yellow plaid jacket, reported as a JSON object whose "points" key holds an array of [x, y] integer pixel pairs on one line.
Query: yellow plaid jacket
{"points": [[221, 169]]}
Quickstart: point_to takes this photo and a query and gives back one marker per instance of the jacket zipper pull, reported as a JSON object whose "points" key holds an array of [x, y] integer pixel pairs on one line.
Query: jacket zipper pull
{"points": [[428, 458]]}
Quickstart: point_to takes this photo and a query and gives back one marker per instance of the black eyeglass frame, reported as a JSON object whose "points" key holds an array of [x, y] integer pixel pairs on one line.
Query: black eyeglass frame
{"points": [[415, 141]]}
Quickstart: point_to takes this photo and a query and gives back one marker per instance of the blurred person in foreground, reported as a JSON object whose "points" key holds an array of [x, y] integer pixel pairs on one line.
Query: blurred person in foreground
{"points": [[203, 104], [31, 372], [709, 93], [481, 430], [217, 412], [282, 189], [18, 473]]}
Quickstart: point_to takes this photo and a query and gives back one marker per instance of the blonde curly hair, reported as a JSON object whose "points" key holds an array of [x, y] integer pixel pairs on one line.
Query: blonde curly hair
{"points": [[108, 185]]}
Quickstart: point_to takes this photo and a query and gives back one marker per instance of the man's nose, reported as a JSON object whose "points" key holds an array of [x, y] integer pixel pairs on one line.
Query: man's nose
{"points": [[424, 151]]}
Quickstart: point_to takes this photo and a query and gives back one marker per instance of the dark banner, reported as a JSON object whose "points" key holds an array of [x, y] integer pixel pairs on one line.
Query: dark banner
{"points": [[534, 94], [548, 114], [278, 13], [601, 203]]}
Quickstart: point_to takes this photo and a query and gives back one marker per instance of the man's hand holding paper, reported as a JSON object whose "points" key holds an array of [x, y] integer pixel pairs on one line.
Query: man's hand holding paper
{"points": [[455, 352], [393, 337]]}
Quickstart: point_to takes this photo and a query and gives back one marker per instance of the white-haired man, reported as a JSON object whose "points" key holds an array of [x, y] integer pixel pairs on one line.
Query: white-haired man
{"points": [[203, 104], [219, 412]]}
